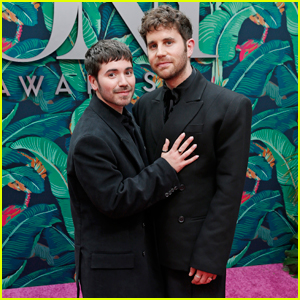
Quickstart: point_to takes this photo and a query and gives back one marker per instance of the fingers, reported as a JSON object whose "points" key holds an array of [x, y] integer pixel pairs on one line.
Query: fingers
{"points": [[203, 278], [192, 271], [185, 144], [178, 142], [188, 152], [165, 147]]}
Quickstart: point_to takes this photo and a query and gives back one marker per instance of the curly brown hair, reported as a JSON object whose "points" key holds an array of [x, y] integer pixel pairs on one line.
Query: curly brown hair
{"points": [[167, 17]]}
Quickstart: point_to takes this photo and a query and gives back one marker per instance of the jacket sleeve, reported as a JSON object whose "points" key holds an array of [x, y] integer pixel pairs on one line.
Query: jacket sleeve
{"points": [[96, 168], [212, 247]]}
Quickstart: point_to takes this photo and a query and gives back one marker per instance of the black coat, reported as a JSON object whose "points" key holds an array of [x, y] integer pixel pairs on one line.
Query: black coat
{"points": [[195, 227], [110, 187]]}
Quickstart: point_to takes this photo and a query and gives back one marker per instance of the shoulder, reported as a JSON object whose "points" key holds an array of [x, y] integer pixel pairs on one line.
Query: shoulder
{"points": [[225, 95]]}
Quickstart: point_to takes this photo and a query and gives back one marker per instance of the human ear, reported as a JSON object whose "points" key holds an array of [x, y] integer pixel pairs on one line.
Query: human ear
{"points": [[93, 82], [190, 44]]}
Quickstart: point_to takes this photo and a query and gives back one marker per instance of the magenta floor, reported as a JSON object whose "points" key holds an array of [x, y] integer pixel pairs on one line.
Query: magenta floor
{"points": [[266, 281]]}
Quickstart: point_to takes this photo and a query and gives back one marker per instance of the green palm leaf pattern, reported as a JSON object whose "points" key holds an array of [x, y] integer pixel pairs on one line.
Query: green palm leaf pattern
{"points": [[218, 32], [251, 75], [25, 12], [288, 86], [260, 166], [26, 175], [48, 126], [48, 276], [10, 156], [251, 215], [9, 280], [19, 235], [78, 113], [292, 27], [48, 12], [7, 178], [7, 120], [281, 149], [265, 256], [232, 261], [55, 162], [280, 118], [269, 12]]}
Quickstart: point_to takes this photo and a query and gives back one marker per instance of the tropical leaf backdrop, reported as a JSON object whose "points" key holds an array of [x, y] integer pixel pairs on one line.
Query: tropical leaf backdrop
{"points": [[257, 55]]}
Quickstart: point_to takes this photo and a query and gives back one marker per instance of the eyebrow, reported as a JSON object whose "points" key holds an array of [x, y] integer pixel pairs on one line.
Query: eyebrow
{"points": [[116, 70], [165, 39]]}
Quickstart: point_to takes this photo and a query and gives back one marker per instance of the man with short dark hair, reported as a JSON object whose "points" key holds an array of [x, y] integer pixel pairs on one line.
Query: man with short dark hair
{"points": [[111, 183], [195, 227]]}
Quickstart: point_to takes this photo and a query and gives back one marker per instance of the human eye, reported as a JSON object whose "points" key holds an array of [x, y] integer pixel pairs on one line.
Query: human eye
{"points": [[169, 43], [111, 75], [152, 46], [129, 72]]}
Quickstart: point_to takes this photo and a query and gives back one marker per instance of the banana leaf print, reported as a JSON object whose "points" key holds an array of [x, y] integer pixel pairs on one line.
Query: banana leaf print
{"points": [[269, 12], [27, 176], [58, 275], [55, 161], [287, 85], [218, 32], [251, 215], [19, 235], [251, 74], [10, 116], [48, 126], [257, 48], [26, 13], [281, 148], [264, 256], [292, 26]]}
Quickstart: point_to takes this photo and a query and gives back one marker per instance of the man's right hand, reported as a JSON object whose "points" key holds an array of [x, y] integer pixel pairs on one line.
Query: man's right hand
{"points": [[177, 155]]}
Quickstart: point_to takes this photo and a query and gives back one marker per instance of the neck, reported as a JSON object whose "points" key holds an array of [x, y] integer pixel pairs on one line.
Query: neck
{"points": [[174, 82], [117, 108]]}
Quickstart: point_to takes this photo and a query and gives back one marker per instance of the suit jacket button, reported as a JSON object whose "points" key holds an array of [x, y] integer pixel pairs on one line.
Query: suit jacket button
{"points": [[167, 194], [144, 253], [181, 219], [182, 187]]}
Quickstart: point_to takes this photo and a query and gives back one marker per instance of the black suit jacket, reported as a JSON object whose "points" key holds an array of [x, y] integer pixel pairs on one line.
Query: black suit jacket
{"points": [[110, 187], [195, 227]]}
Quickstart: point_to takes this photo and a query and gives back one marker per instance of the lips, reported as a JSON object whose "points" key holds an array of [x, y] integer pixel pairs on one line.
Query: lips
{"points": [[163, 63]]}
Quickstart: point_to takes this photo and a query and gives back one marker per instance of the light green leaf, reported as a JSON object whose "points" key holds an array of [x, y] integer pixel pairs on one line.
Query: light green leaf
{"points": [[78, 113], [218, 32], [9, 280], [7, 120], [55, 162]]}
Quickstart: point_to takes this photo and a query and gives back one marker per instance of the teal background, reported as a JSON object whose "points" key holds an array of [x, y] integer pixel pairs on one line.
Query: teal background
{"points": [[257, 48]]}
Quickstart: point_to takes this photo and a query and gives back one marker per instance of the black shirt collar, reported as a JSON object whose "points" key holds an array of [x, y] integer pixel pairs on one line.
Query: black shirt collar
{"points": [[182, 87], [124, 117]]}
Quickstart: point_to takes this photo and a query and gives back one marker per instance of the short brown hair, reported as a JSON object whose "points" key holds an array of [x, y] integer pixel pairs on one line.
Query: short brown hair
{"points": [[105, 51], [169, 17]]}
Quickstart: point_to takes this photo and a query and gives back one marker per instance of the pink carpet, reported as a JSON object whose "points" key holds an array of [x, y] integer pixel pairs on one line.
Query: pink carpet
{"points": [[265, 281]]}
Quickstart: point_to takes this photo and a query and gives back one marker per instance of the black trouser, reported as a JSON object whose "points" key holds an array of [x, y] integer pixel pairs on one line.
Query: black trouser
{"points": [[178, 285]]}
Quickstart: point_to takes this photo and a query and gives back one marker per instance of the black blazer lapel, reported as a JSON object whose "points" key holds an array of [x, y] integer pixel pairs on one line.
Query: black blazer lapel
{"points": [[119, 130], [183, 113], [157, 116]]}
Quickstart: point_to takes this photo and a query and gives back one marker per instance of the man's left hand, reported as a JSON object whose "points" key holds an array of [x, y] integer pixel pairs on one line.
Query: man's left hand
{"points": [[201, 277]]}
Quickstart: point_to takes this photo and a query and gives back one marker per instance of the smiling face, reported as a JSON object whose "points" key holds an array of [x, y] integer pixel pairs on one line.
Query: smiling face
{"points": [[169, 55], [114, 84]]}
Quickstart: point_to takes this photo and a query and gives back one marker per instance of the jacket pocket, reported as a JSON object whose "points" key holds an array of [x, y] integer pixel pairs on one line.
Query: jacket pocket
{"points": [[195, 128], [112, 261]]}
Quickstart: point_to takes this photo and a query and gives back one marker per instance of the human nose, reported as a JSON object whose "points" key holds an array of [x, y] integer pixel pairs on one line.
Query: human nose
{"points": [[160, 50], [123, 80]]}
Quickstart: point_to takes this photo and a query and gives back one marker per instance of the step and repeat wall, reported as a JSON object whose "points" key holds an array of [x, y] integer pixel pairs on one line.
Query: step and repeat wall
{"points": [[253, 50]]}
